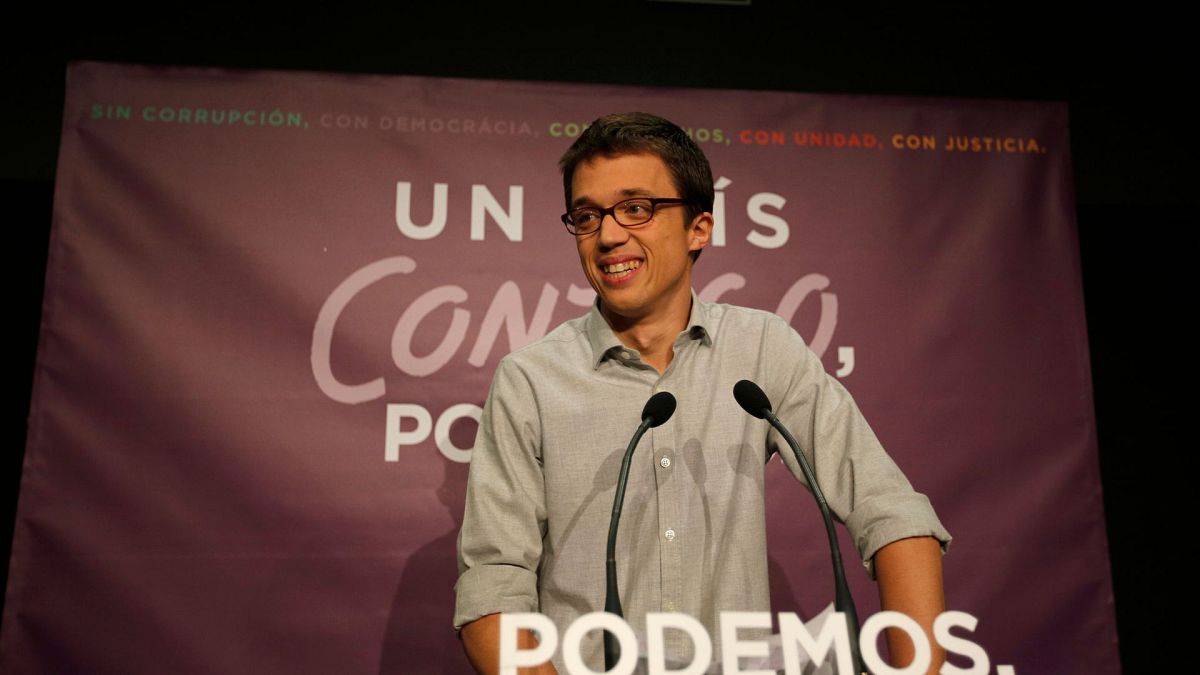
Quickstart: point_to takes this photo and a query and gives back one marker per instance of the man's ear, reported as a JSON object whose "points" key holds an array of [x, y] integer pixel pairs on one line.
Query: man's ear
{"points": [[700, 232]]}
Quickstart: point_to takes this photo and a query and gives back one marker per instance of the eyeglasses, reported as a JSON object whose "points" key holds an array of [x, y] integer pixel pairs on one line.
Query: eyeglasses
{"points": [[628, 213]]}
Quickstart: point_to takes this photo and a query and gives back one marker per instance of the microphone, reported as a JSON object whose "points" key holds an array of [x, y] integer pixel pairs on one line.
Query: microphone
{"points": [[657, 410], [754, 401]]}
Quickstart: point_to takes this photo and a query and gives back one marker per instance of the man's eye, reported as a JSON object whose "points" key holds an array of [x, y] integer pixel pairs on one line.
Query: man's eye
{"points": [[635, 208], [585, 217]]}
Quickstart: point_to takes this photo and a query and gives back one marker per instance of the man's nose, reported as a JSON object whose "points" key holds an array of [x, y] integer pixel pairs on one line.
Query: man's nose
{"points": [[611, 233]]}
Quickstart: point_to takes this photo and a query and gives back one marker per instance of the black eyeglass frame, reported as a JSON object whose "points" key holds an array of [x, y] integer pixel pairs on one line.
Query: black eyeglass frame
{"points": [[569, 221]]}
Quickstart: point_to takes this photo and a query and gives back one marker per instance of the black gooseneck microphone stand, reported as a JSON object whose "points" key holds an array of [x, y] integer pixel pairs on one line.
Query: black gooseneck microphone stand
{"points": [[658, 409], [754, 401]]}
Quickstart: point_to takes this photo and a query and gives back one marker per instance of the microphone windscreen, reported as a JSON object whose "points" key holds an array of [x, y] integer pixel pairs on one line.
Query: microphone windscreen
{"points": [[659, 408], [751, 398]]}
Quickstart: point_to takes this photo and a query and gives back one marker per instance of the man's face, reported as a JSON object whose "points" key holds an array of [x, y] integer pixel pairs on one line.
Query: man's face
{"points": [[643, 271]]}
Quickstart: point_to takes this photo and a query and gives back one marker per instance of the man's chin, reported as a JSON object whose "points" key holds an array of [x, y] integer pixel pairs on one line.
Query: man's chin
{"points": [[619, 312]]}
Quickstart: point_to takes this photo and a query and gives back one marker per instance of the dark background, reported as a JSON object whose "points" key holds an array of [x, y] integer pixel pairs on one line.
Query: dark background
{"points": [[1121, 73]]}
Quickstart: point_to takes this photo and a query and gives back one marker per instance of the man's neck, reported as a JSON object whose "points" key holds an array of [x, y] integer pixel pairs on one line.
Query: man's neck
{"points": [[654, 336]]}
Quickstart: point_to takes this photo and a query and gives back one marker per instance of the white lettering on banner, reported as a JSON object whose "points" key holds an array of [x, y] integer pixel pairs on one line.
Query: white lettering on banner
{"points": [[437, 222], [483, 204], [792, 633], [512, 658], [730, 281], [979, 658], [406, 327], [441, 432], [394, 437], [868, 644], [755, 212], [829, 306], [606, 621], [507, 310], [322, 343], [510, 221], [845, 361]]}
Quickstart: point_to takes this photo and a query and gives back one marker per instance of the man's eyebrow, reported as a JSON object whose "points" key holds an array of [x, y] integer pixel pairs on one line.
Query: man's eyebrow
{"points": [[584, 200]]}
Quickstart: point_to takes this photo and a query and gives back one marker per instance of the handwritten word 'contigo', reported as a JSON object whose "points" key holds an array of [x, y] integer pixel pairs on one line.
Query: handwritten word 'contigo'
{"points": [[506, 311]]}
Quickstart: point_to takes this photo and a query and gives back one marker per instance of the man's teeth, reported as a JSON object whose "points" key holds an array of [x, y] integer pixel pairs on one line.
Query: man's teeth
{"points": [[622, 267]]}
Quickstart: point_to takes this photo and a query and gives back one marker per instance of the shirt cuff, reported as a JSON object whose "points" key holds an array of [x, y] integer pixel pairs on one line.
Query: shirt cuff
{"points": [[883, 519], [489, 589]]}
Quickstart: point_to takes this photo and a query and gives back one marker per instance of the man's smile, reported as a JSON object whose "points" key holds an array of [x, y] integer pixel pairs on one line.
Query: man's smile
{"points": [[618, 269]]}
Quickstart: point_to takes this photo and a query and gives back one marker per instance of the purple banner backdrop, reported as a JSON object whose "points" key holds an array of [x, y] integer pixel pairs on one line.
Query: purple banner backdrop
{"points": [[275, 300]]}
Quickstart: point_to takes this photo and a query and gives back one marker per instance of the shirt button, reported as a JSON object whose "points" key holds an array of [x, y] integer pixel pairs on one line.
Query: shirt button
{"points": [[670, 535], [665, 462]]}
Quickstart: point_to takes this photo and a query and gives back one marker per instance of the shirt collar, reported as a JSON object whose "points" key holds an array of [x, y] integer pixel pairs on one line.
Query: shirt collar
{"points": [[604, 342]]}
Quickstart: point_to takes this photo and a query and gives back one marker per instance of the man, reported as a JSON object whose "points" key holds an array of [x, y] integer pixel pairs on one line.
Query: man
{"points": [[692, 539]]}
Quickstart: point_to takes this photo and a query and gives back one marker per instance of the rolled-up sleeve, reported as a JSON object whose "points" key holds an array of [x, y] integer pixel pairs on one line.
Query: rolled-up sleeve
{"points": [[862, 484], [504, 520]]}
